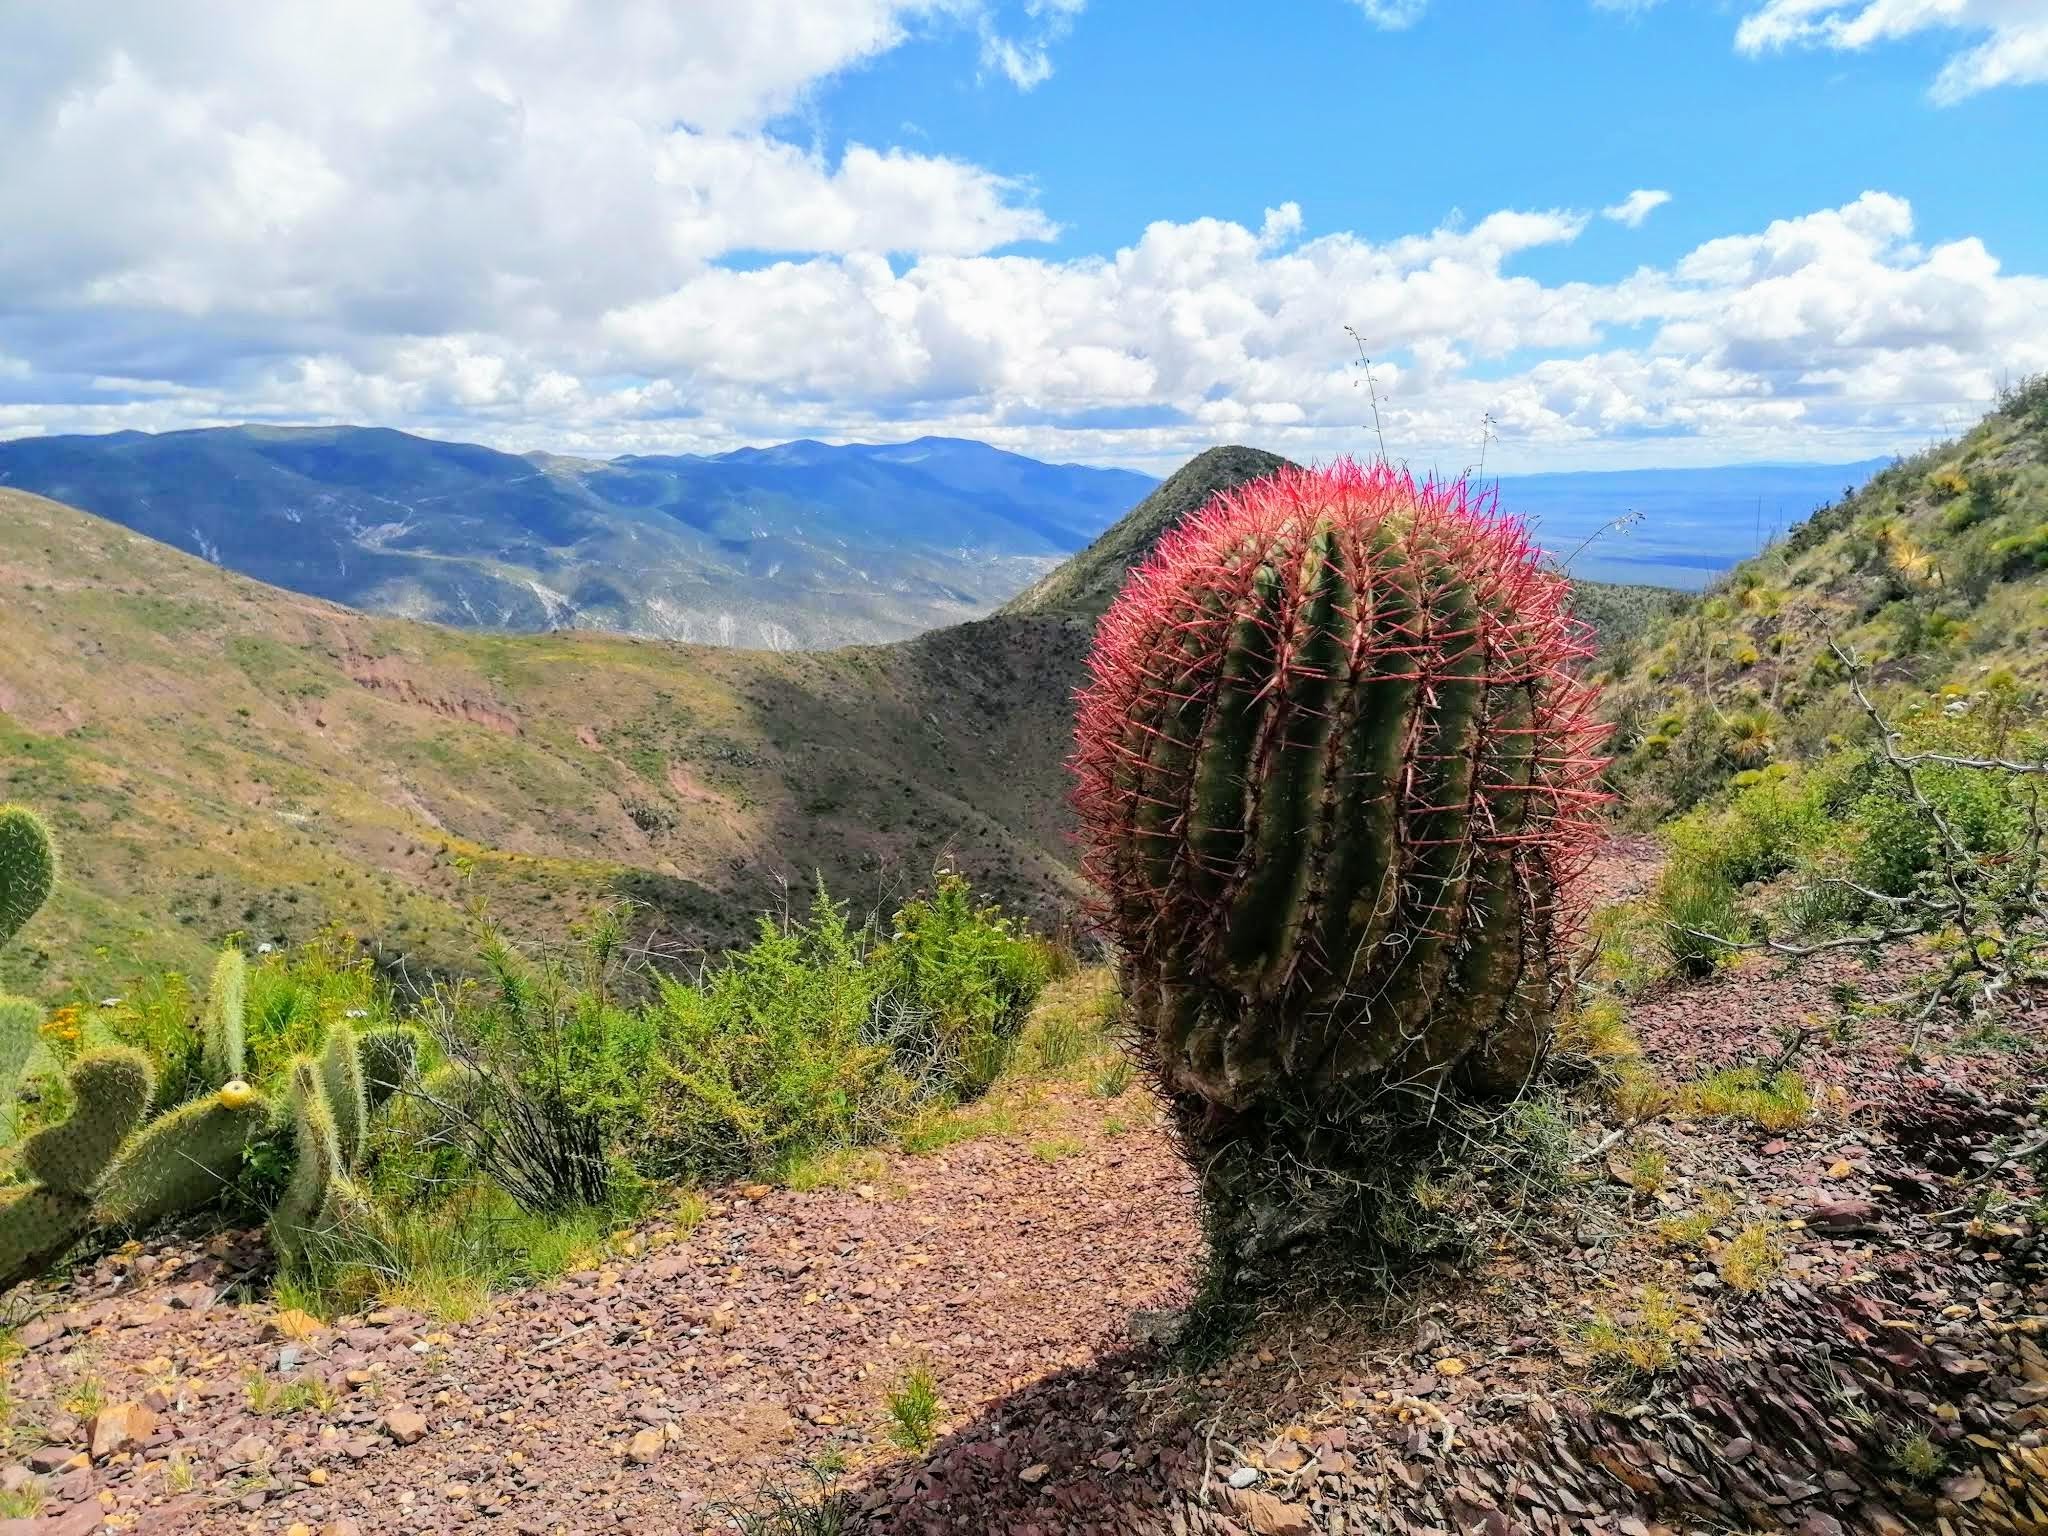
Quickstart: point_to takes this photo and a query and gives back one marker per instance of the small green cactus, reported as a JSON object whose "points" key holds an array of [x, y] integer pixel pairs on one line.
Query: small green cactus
{"points": [[38, 1222], [111, 1089], [182, 1161], [300, 1214], [28, 867], [341, 1079], [227, 1001]]}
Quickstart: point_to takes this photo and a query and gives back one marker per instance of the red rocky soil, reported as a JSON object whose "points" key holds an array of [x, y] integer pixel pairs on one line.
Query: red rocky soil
{"points": [[1887, 1377]]}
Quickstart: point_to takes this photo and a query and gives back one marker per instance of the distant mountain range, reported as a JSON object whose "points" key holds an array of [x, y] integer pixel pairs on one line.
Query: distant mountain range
{"points": [[801, 545]]}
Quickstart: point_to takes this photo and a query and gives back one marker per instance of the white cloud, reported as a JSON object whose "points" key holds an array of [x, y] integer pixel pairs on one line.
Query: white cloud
{"points": [[2011, 46], [1636, 207], [1392, 14], [505, 225], [1025, 60], [415, 165]]}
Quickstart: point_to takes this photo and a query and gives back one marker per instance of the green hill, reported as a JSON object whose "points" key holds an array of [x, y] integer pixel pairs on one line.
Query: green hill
{"points": [[1935, 574], [219, 756], [223, 757]]}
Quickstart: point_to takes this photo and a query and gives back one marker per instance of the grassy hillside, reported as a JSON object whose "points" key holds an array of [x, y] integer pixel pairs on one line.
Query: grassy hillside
{"points": [[219, 756], [1935, 573]]}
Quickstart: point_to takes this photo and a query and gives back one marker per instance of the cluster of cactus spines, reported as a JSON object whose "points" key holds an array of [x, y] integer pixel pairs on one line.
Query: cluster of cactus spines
{"points": [[223, 1056], [28, 867], [183, 1160], [333, 1097], [1336, 778], [341, 1082]]}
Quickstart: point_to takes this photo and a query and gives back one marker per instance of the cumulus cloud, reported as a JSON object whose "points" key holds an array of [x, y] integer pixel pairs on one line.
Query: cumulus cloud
{"points": [[505, 226], [1636, 207], [407, 164], [2011, 46]]}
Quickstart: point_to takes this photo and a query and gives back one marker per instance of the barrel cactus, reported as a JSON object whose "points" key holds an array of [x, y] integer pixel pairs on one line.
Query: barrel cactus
{"points": [[1336, 780]]}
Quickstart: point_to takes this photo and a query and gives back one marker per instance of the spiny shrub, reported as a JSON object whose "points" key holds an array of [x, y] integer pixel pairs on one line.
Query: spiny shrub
{"points": [[1336, 781]]}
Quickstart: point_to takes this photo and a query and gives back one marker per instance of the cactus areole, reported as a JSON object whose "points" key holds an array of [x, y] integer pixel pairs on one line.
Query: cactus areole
{"points": [[1336, 779]]}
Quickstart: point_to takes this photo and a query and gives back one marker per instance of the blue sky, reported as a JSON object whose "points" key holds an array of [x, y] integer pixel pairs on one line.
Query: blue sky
{"points": [[1165, 111], [1629, 234]]}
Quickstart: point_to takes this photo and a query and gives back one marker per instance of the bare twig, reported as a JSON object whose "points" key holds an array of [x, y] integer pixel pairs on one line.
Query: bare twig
{"points": [[1371, 390]]}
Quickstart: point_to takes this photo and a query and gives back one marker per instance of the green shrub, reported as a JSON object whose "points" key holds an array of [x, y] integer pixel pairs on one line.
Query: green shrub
{"points": [[816, 1035], [782, 1046], [2023, 551], [969, 976]]}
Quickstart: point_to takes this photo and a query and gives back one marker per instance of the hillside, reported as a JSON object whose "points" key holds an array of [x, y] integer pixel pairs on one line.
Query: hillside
{"points": [[1935, 573], [220, 756], [801, 545]]}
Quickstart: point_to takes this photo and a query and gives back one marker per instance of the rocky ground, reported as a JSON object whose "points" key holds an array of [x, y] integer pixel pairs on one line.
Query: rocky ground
{"points": [[1853, 1332]]}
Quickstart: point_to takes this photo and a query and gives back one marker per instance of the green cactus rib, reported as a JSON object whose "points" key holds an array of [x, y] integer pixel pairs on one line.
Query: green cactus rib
{"points": [[182, 1161], [341, 1081], [222, 1055], [37, 1227], [28, 867], [298, 1219], [110, 1091]]}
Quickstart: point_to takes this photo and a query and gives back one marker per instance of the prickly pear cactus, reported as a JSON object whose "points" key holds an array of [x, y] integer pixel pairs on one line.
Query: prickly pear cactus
{"points": [[1336, 781], [28, 867], [183, 1160], [28, 871], [222, 1055], [110, 1089]]}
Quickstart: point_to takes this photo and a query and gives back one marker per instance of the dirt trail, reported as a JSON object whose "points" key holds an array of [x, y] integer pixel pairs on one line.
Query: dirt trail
{"points": [[640, 1396], [765, 1341]]}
